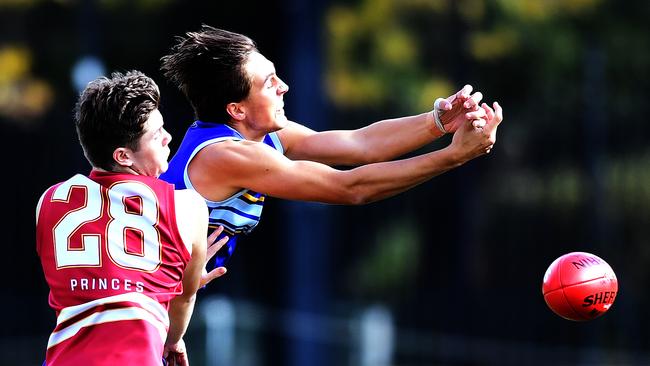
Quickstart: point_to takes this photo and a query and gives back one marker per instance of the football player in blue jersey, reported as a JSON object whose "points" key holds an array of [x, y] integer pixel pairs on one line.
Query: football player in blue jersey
{"points": [[242, 147]]}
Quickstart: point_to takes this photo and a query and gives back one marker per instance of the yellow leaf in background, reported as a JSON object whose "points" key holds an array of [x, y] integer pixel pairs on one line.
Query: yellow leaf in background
{"points": [[432, 89], [23, 98], [396, 47], [15, 61], [355, 89], [494, 44]]}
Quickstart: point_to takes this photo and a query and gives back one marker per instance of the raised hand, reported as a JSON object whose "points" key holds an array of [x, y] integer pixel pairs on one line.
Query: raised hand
{"points": [[213, 248], [459, 108], [478, 137], [493, 118]]}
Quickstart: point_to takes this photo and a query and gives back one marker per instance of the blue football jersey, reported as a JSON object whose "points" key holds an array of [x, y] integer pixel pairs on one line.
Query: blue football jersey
{"points": [[239, 213]]}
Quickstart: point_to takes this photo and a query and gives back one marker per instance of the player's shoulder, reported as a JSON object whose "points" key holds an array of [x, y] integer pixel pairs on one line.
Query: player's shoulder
{"points": [[233, 153], [72, 180], [50, 189], [48, 192], [39, 204]]}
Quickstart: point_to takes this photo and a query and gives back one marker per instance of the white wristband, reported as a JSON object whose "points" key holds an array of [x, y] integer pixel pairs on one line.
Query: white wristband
{"points": [[436, 115]]}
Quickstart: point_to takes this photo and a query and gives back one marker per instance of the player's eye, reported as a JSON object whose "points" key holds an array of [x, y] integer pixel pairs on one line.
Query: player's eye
{"points": [[272, 82]]}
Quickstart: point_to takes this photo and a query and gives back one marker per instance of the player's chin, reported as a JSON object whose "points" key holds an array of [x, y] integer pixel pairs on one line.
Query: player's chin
{"points": [[163, 168], [281, 121]]}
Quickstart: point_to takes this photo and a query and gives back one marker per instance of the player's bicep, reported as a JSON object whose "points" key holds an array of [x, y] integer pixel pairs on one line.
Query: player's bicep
{"points": [[335, 147], [265, 170]]}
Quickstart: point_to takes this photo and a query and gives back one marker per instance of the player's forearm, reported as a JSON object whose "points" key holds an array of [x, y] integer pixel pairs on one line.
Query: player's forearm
{"points": [[374, 182], [180, 313], [391, 138], [308, 181]]}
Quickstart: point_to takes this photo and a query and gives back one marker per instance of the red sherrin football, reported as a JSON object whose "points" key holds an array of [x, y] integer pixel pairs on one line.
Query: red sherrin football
{"points": [[579, 286]]}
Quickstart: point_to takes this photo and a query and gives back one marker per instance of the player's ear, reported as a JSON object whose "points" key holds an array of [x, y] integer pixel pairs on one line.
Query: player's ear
{"points": [[122, 156], [236, 111]]}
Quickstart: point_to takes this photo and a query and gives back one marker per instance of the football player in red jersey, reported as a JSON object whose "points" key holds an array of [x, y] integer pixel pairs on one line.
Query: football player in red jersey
{"points": [[122, 252]]}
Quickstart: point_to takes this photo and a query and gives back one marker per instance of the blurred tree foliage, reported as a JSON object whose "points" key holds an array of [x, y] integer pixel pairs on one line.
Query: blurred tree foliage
{"points": [[23, 97]]}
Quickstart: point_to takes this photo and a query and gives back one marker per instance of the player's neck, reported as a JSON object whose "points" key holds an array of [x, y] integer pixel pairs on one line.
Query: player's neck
{"points": [[248, 133], [118, 169]]}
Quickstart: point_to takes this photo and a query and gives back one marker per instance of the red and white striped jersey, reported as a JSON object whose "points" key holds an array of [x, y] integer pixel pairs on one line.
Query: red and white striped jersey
{"points": [[113, 259]]}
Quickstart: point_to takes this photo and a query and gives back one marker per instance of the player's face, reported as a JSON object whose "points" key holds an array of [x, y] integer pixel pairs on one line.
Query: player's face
{"points": [[153, 151], [264, 105]]}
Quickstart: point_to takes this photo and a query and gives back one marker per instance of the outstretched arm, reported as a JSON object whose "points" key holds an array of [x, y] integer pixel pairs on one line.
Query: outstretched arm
{"points": [[383, 140], [233, 165]]}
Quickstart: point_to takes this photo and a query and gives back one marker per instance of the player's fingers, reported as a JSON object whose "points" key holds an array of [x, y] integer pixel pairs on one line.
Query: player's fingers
{"points": [[214, 247], [473, 101], [447, 104], [215, 273], [182, 359], [442, 104], [477, 114], [218, 244], [498, 112], [171, 359], [465, 92], [220, 271], [215, 234], [212, 250], [489, 112], [479, 123]]}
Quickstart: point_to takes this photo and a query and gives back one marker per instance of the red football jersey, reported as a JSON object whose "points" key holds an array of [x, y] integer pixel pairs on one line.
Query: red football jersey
{"points": [[113, 258]]}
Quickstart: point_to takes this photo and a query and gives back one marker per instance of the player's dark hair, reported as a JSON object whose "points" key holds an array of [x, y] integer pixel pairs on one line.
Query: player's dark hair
{"points": [[111, 113], [208, 67]]}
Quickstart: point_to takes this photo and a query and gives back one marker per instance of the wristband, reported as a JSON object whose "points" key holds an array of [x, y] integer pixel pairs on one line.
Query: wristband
{"points": [[436, 115]]}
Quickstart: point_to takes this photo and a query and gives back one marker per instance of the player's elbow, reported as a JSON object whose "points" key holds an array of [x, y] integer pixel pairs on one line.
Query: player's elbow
{"points": [[356, 195], [354, 200], [362, 200], [353, 189], [186, 298]]}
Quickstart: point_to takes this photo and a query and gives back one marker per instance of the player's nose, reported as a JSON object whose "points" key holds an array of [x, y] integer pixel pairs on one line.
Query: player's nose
{"points": [[167, 137], [282, 87]]}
